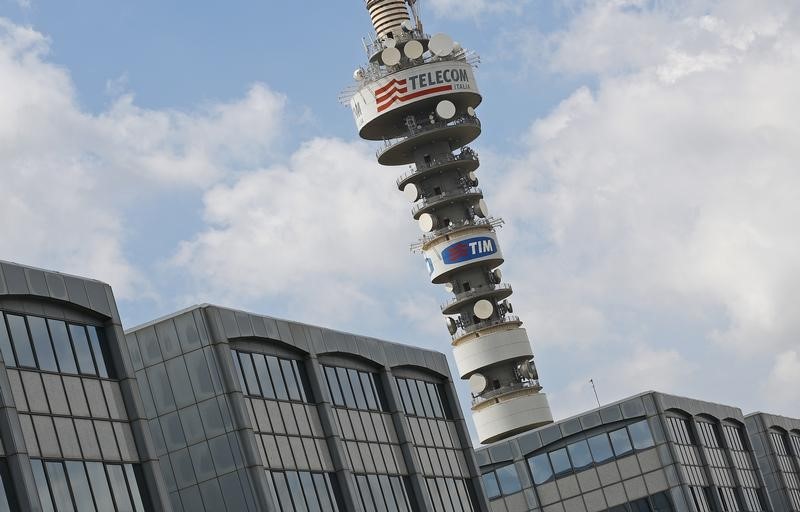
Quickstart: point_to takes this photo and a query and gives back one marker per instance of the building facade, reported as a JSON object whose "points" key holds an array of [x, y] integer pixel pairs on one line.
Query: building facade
{"points": [[651, 452], [776, 441]]}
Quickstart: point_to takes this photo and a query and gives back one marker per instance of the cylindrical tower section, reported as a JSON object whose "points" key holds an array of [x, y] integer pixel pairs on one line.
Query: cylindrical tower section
{"points": [[387, 15], [418, 95]]}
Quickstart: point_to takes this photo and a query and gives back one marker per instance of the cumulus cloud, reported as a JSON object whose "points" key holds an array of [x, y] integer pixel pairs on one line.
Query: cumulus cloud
{"points": [[321, 230], [474, 8], [666, 193], [68, 175], [783, 386]]}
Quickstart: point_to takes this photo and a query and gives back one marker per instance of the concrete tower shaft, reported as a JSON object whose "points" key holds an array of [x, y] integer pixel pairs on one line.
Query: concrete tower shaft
{"points": [[418, 94]]}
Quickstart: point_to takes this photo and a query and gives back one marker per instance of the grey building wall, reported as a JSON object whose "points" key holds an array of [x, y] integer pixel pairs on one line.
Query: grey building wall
{"points": [[711, 468], [776, 441], [189, 363], [51, 413]]}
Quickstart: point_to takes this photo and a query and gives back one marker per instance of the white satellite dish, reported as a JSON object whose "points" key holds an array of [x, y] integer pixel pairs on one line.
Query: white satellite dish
{"points": [[446, 109], [451, 325], [481, 209], [441, 45], [411, 191], [391, 56], [358, 75], [498, 276], [472, 176], [413, 49], [389, 42], [457, 47], [477, 383], [407, 25], [471, 111], [427, 222], [448, 287], [483, 309]]}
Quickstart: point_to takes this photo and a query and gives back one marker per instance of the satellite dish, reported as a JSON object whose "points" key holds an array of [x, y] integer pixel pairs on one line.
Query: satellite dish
{"points": [[448, 287], [358, 75], [472, 176], [413, 49], [451, 325], [427, 222], [477, 383], [527, 370], [457, 47], [481, 209], [508, 306], [471, 111], [441, 45], [390, 56], [483, 309], [407, 26], [446, 109], [498, 276], [411, 191], [389, 42]]}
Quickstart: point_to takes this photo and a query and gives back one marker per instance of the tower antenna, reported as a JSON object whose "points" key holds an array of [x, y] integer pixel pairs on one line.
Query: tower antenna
{"points": [[595, 392], [414, 5]]}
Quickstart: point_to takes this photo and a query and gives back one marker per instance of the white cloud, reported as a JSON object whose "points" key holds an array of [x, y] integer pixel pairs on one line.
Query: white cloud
{"points": [[667, 193], [320, 231], [474, 8], [68, 175], [782, 390]]}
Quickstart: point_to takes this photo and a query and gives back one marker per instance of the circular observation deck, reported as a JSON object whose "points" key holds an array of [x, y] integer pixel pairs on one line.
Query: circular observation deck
{"points": [[466, 161], [457, 133], [429, 204], [498, 292]]}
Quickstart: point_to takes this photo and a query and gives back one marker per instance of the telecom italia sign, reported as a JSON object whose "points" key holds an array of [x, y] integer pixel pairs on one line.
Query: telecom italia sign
{"points": [[410, 85], [459, 252]]}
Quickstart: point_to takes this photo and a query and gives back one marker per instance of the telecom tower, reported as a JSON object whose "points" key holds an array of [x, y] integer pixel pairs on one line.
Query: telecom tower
{"points": [[418, 95]]}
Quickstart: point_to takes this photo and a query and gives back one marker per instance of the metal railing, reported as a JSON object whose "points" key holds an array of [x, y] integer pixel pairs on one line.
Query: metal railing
{"points": [[456, 226], [496, 393], [467, 153], [475, 293], [427, 127], [477, 326], [425, 202]]}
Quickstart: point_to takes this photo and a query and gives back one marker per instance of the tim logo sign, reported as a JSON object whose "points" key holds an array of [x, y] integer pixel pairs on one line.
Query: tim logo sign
{"points": [[418, 86], [469, 249]]}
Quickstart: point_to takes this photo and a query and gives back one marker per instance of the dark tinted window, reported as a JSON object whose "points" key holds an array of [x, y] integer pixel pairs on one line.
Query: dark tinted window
{"points": [[580, 455], [264, 378], [8, 500], [601, 448], [421, 398], [540, 468], [290, 377], [22, 343], [82, 351], [97, 342], [99, 483], [59, 487], [333, 386], [41, 343], [42, 486], [620, 442], [5, 344], [63, 347], [80, 485], [277, 378]]}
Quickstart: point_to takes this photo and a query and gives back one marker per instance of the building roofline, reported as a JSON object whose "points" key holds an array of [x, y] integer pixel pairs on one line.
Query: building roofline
{"points": [[50, 271]]}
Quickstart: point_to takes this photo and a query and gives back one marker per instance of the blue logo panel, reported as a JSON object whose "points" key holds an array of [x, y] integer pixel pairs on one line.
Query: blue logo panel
{"points": [[469, 249]]}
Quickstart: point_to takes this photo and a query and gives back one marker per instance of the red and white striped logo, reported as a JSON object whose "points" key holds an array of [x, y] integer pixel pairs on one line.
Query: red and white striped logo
{"points": [[397, 91]]}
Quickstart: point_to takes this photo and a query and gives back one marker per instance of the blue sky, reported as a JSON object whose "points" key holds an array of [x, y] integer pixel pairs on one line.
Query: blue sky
{"points": [[642, 154]]}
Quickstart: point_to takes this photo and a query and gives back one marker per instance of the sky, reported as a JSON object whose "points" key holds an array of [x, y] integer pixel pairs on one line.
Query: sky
{"points": [[643, 154]]}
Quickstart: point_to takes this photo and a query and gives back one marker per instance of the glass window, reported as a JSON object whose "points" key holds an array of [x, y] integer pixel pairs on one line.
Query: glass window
{"points": [[264, 378], [540, 468], [325, 499], [424, 398], [119, 487], [358, 391], [277, 380], [22, 343], [580, 455], [8, 501], [333, 386], [82, 350], [80, 486], [297, 491], [59, 487], [283, 493], [41, 343], [386, 490], [433, 391], [640, 505], [641, 435], [302, 380], [509, 479], [237, 368], [63, 347], [415, 398], [369, 392], [134, 479], [97, 341], [601, 448], [490, 485], [307, 484], [405, 397], [99, 483], [560, 461], [661, 502], [41, 485], [249, 373], [5, 344], [347, 390], [292, 385], [620, 442]]}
